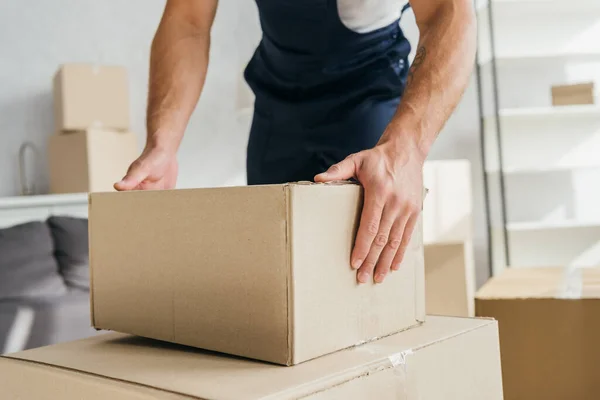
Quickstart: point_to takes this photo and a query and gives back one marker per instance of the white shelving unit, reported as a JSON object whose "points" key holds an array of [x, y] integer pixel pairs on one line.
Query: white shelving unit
{"points": [[550, 155]]}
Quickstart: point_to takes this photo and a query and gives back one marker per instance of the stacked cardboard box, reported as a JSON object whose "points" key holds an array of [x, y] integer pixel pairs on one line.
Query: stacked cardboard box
{"points": [[448, 238], [92, 145], [263, 273], [549, 321]]}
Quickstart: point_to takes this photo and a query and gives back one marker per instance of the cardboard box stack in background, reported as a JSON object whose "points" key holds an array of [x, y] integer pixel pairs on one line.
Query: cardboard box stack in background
{"points": [[261, 272], [549, 320], [92, 145], [448, 238]]}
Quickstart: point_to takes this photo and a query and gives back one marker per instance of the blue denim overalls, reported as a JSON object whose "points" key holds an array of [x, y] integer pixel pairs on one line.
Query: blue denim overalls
{"points": [[322, 90]]}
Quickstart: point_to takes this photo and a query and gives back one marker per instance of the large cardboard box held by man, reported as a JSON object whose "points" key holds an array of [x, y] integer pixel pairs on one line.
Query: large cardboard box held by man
{"points": [[256, 271], [549, 321], [444, 359], [91, 96], [89, 161]]}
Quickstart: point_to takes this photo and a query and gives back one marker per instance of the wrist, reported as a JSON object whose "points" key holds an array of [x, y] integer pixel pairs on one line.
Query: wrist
{"points": [[163, 141], [398, 142]]}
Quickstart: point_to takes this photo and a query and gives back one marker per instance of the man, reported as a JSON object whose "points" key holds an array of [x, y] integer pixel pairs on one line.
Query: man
{"points": [[328, 76]]}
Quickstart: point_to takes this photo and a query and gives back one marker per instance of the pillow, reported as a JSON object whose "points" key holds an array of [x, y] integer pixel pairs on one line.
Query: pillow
{"points": [[27, 264], [70, 235]]}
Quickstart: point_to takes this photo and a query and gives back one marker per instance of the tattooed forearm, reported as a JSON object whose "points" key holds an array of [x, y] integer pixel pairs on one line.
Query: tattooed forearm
{"points": [[417, 62], [440, 71]]}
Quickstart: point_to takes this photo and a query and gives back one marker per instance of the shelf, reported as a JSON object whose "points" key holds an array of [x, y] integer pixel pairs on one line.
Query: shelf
{"points": [[549, 6], [578, 111], [540, 58], [545, 170], [546, 226]]}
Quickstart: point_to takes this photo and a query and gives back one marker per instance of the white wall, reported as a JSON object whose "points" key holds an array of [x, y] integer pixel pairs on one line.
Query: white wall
{"points": [[36, 36]]}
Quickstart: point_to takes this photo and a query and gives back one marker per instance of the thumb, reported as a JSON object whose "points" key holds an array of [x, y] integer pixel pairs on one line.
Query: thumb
{"points": [[345, 169], [136, 174]]}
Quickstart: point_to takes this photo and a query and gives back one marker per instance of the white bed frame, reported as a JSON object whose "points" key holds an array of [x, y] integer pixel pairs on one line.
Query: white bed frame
{"points": [[20, 209]]}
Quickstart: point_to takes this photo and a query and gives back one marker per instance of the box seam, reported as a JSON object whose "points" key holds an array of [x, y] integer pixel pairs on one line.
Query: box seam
{"points": [[87, 135], [90, 257], [75, 371], [452, 336], [420, 308], [289, 273]]}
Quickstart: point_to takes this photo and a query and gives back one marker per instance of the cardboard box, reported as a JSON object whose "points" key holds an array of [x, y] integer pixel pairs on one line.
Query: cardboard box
{"points": [[446, 358], [448, 238], [256, 271], [448, 206], [549, 320], [449, 281], [89, 161], [91, 96], [581, 93]]}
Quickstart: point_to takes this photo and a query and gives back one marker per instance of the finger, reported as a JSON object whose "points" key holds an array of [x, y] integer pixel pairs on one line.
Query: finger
{"points": [[151, 185], [345, 169], [136, 174], [368, 227], [379, 243], [391, 248], [406, 236]]}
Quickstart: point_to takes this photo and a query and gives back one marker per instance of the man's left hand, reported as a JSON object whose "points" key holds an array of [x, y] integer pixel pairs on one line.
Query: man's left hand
{"points": [[391, 174]]}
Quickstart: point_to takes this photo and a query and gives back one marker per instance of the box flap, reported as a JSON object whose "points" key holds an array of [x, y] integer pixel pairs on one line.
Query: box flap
{"points": [[206, 375], [552, 282]]}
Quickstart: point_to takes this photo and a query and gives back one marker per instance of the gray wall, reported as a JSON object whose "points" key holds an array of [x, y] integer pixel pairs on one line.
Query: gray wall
{"points": [[36, 36]]}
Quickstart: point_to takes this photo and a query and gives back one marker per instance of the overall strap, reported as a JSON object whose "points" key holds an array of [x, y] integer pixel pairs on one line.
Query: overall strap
{"points": [[404, 8]]}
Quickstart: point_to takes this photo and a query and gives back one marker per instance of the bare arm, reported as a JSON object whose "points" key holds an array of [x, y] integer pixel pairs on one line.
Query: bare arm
{"points": [[440, 71], [392, 171], [178, 65]]}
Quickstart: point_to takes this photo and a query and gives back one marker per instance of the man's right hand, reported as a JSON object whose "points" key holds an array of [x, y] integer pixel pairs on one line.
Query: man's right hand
{"points": [[155, 169]]}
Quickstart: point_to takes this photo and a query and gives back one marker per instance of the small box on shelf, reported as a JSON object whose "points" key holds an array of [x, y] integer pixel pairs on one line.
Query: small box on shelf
{"points": [[573, 94]]}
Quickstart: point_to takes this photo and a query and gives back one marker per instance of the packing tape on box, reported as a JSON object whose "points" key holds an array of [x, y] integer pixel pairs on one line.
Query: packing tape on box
{"points": [[572, 283], [398, 381], [406, 388]]}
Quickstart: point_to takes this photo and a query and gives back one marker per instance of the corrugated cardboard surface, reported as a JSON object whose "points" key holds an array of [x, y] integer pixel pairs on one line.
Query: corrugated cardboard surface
{"points": [[257, 271], [89, 161], [206, 267], [449, 270], [446, 358], [91, 96], [68, 163], [548, 331], [110, 154], [329, 310]]}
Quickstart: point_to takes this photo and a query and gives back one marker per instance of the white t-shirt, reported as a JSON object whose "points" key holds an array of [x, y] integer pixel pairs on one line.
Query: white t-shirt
{"points": [[364, 16]]}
